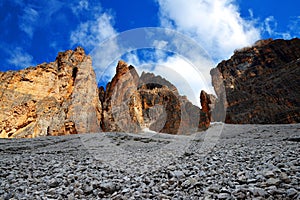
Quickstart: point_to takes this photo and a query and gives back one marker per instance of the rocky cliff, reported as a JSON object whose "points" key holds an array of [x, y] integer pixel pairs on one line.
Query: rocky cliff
{"points": [[62, 98], [260, 84], [132, 103], [50, 99]]}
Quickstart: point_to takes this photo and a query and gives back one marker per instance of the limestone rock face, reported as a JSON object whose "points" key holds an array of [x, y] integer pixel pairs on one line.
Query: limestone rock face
{"points": [[132, 103], [50, 99], [121, 94], [260, 84]]}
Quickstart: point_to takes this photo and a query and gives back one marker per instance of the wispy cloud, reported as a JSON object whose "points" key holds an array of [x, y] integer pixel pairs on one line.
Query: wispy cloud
{"points": [[91, 33], [80, 6], [19, 58], [84, 9], [36, 14], [28, 20], [214, 24], [294, 26], [271, 27]]}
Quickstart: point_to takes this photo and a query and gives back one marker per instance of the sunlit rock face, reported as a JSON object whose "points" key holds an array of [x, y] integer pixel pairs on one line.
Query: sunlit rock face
{"points": [[62, 97], [121, 104], [133, 104], [260, 84], [57, 98]]}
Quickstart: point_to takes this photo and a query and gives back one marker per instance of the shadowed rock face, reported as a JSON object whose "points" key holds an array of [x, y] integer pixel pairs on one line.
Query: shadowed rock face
{"points": [[50, 99], [132, 103], [261, 83]]}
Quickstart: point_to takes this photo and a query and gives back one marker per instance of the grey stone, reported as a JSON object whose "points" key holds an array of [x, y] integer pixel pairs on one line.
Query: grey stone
{"points": [[188, 179], [202, 173], [53, 183], [78, 191], [186, 184], [240, 195], [95, 184], [252, 180], [214, 188], [258, 192], [224, 196], [284, 177], [291, 192], [272, 190], [87, 189], [242, 179], [163, 186], [108, 187], [273, 181], [177, 174], [125, 190], [269, 174]]}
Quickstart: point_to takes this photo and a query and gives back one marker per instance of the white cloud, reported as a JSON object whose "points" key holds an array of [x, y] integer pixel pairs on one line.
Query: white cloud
{"points": [[104, 60], [271, 27], [294, 26], [216, 25], [37, 14], [91, 33], [160, 44], [19, 58], [251, 13], [80, 6], [28, 20], [132, 59], [188, 79], [84, 8]]}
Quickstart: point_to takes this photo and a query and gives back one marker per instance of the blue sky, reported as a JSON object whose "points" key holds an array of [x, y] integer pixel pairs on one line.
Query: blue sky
{"points": [[34, 31]]}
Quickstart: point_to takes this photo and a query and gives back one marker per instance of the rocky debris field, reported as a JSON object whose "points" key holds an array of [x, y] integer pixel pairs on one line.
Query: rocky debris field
{"points": [[225, 162]]}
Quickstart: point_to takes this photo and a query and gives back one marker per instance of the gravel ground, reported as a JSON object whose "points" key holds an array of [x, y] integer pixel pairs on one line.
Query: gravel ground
{"points": [[226, 162]]}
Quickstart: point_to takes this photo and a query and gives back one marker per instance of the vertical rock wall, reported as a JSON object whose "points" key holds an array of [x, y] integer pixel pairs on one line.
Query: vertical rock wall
{"points": [[260, 84], [50, 99]]}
